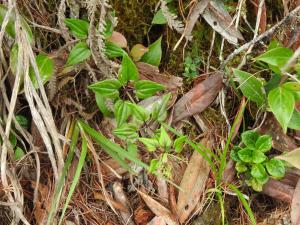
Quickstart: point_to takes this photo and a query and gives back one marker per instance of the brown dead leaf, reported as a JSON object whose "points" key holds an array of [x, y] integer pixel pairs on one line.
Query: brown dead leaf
{"points": [[192, 184], [118, 39], [149, 72], [157, 220], [198, 98], [142, 216], [117, 205], [219, 19], [158, 209], [295, 207], [292, 157], [278, 190], [138, 51], [281, 141]]}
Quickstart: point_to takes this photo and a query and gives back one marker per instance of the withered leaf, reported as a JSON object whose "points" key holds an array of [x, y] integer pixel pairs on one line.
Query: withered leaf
{"points": [[295, 207]]}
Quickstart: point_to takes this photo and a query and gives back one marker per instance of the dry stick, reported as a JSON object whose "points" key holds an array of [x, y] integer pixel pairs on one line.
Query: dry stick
{"points": [[260, 37]]}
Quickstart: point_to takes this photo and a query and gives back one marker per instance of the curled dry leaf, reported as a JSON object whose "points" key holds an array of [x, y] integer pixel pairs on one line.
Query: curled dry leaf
{"points": [[278, 190], [295, 207], [192, 184], [292, 157], [219, 19], [199, 98], [118, 39], [158, 209], [149, 72]]}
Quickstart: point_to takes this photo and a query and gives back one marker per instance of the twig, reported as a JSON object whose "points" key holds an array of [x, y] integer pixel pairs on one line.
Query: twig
{"points": [[259, 38]]}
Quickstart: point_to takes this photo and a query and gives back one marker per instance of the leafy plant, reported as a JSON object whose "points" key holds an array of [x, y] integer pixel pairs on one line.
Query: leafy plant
{"points": [[252, 161], [191, 66]]}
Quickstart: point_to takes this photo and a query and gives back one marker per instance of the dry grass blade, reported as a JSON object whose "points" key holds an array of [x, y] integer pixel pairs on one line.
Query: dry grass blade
{"points": [[295, 207]]}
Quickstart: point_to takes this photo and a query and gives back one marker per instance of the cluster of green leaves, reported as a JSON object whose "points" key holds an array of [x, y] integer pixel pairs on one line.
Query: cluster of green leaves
{"points": [[280, 97], [18, 151], [191, 66], [252, 162]]}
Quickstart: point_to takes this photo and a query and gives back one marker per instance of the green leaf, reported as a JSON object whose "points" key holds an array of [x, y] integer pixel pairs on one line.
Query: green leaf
{"points": [[249, 138], [153, 56], [273, 82], [101, 103], [245, 155], [159, 111], [113, 51], [126, 132], [79, 28], [282, 104], [154, 165], [234, 153], [13, 140], [292, 86], [258, 171], [256, 185], [147, 88], [107, 88], [159, 18], [294, 122], [250, 86], [122, 112], [19, 153], [10, 28], [241, 167], [139, 113], [79, 53], [178, 144], [128, 70], [264, 143], [23, 121], [46, 69], [150, 143], [164, 139], [258, 156], [275, 168], [109, 28], [13, 58]]}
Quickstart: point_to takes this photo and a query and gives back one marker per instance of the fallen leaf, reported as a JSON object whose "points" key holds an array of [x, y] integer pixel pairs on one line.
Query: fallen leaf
{"points": [[158, 209], [149, 72], [117, 205], [295, 207], [192, 184], [199, 98], [219, 19], [118, 39], [138, 51], [142, 216], [292, 157], [157, 220], [278, 190]]}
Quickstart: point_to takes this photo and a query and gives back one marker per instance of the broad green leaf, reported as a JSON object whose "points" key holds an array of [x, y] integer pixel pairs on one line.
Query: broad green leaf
{"points": [[46, 69], [273, 82], [276, 58], [101, 103], [113, 51], [250, 86], [258, 156], [146, 88], [292, 157], [19, 153], [282, 104], [159, 18], [107, 88], [294, 122], [126, 132], [245, 155], [122, 112], [10, 28], [153, 56], [79, 28], [292, 86], [258, 171], [275, 168], [178, 144], [159, 111], [256, 185], [13, 140], [234, 153], [249, 138], [150, 143], [264, 143], [128, 70], [164, 138], [139, 113], [23, 121], [241, 167], [154, 165], [79, 53]]}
